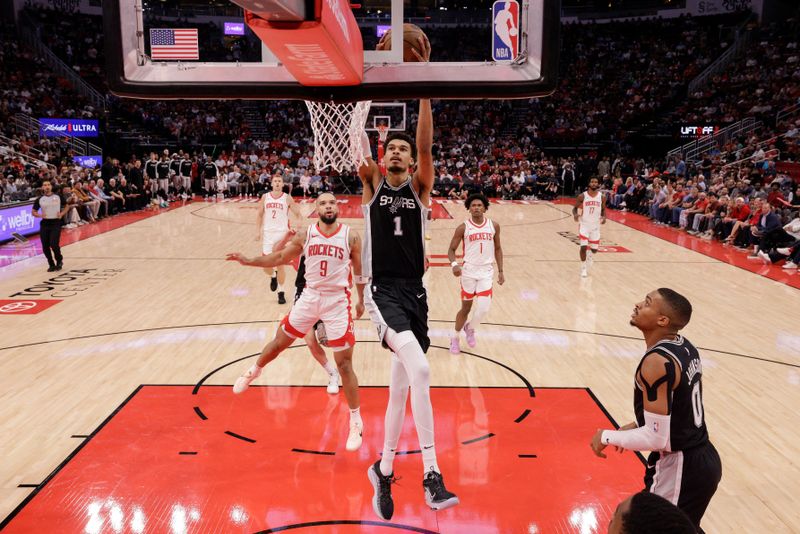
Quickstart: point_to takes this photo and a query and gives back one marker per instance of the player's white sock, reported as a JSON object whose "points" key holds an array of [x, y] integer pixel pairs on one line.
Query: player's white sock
{"points": [[395, 414], [280, 288], [355, 415], [330, 368]]}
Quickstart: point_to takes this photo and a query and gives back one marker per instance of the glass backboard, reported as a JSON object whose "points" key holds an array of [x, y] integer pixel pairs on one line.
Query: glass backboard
{"points": [[230, 62]]}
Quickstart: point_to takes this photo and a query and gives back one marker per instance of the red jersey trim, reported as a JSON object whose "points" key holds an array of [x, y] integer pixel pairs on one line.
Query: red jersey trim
{"points": [[328, 236]]}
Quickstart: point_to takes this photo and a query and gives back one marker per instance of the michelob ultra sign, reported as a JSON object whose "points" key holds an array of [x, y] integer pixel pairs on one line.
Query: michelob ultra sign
{"points": [[69, 127]]}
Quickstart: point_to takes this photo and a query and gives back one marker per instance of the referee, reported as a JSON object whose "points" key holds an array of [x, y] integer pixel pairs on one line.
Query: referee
{"points": [[52, 209]]}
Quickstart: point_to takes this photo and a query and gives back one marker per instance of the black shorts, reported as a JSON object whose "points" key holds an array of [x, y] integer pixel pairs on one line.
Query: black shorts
{"points": [[687, 478], [400, 305]]}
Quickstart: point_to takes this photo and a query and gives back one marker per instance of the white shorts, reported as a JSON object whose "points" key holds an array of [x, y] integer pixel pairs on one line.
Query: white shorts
{"points": [[333, 309], [476, 283], [589, 236], [269, 240]]}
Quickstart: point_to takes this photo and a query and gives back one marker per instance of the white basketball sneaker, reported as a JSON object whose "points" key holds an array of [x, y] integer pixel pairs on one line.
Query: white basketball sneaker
{"points": [[333, 384], [244, 381], [354, 438]]}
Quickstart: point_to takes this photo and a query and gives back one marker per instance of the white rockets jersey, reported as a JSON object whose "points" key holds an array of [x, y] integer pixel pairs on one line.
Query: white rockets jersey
{"points": [[478, 244], [327, 259], [592, 209], [276, 213]]}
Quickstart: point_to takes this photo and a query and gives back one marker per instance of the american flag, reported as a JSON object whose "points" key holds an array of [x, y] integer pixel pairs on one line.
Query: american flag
{"points": [[166, 43]]}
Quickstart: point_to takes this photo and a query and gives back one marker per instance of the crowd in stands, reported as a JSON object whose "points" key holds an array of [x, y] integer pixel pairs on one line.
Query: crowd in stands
{"points": [[749, 206], [763, 81], [494, 147], [649, 62], [616, 75]]}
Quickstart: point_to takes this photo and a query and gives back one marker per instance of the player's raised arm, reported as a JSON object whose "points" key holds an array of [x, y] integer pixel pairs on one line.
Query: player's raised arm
{"points": [[291, 251], [369, 173], [423, 177]]}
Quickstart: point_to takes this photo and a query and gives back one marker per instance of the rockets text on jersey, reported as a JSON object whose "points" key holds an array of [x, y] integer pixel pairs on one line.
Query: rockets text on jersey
{"points": [[592, 209], [276, 213], [478, 243], [327, 259]]}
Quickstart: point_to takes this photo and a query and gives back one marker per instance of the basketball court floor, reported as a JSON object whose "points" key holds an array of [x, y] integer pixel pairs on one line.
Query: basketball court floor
{"points": [[117, 413]]}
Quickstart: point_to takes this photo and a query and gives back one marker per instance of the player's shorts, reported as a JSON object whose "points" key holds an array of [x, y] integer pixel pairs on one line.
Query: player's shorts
{"points": [[476, 282], [398, 304], [589, 236], [269, 240], [333, 309], [688, 479]]}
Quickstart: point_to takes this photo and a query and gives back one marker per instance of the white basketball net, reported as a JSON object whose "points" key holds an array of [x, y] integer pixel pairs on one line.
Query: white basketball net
{"points": [[337, 134]]}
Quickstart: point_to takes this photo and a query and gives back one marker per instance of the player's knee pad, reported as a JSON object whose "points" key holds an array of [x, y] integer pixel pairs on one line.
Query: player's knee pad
{"points": [[397, 340]]}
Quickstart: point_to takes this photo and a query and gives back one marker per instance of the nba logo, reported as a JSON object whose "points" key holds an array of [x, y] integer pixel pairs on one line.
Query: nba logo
{"points": [[505, 30]]}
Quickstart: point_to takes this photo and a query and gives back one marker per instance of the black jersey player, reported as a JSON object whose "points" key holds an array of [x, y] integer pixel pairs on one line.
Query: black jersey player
{"points": [[395, 210], [684, 466]]}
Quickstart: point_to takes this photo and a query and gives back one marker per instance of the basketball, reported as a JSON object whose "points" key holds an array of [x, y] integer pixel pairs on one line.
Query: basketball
{"points": [[411, 35]]}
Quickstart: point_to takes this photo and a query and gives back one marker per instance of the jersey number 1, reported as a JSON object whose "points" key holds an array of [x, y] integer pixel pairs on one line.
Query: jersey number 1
{"points": [[398, 228]]}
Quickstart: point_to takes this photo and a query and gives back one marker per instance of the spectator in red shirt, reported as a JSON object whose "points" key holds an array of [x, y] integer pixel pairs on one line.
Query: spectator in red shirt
{"points": [[698, 207], [776, 198], [740, 234]]}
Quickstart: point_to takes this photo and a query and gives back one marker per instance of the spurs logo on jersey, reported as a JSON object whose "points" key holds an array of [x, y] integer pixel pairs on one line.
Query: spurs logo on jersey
{"points": [[592, 209], [394, 241], [327, 259], [395, 203], [478, 244], [276, 213]]}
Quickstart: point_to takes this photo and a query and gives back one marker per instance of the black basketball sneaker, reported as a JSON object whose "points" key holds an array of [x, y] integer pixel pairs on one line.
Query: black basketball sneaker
{"points": [[436, 495], [382, 501]]}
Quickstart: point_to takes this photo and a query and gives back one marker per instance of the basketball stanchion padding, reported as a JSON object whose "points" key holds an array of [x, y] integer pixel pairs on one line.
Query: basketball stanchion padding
{"points": [[327, 51]]}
